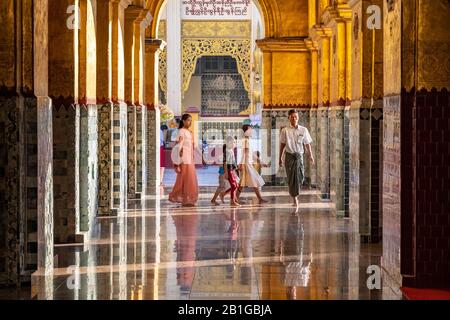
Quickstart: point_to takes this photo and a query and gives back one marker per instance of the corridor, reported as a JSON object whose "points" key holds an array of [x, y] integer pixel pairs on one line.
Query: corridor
{"points": [[160, 251], [92, 97]]}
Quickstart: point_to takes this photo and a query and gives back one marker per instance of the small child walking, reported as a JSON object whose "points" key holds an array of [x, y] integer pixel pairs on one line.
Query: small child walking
{"points": [[230, 166], [224, 185]]}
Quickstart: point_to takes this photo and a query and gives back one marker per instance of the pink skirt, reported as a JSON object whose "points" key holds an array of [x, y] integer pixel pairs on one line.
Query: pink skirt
{"points": [[162, 157], [185, 190]]}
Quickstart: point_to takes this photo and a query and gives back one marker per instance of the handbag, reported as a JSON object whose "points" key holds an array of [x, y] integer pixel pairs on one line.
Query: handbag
{"points": [[175, 155], [281, 172]]}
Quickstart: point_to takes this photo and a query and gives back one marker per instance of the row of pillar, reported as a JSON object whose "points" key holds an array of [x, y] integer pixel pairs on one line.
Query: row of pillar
{"points": [[346, 88], [84, 117]]}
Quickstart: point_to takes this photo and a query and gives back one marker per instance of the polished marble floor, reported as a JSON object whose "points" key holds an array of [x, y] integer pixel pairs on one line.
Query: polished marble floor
{"points": [[157, 250]]}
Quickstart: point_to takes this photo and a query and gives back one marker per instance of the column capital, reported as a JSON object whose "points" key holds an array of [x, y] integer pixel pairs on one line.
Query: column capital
{"points": [[282, 44], [147, 20], [134, 13], [142, 15], [123, 3], [339, 13], [319, 32], [154, 45], [311, 45]]}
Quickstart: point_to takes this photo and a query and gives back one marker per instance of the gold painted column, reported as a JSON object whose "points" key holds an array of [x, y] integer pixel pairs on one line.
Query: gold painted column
{"points": [[141, 111], [152, 124], [87, 92], [45, 146], [132, 17], [119, 129], [65, 84], [313, 114], [322, 36], [415, 142], [104, 106], [365, 123], [336, 18], [312, 13]]}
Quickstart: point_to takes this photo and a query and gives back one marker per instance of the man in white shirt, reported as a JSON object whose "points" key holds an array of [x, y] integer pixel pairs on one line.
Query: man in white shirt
{"points": [[293, 141]]}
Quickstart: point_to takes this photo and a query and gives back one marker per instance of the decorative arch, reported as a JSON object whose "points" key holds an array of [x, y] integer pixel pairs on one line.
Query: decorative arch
{"points": [[193, 49]]}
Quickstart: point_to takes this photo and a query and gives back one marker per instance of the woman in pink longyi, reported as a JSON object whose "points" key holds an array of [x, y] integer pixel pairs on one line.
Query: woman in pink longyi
{"points": [[185, 190]]}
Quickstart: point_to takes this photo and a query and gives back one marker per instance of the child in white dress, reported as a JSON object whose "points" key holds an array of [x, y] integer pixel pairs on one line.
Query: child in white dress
{"points": [[248, 174]]}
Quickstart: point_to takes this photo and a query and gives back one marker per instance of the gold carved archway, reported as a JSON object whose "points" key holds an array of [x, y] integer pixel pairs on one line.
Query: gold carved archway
{"points": [[193, 49]]}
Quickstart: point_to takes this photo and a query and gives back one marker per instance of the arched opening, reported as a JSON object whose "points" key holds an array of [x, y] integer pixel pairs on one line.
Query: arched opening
{"points": [[210, 67]]}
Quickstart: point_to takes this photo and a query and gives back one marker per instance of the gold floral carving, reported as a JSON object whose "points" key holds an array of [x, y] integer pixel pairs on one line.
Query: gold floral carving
{"points": [[193, 49], [162, 30], [162, 57], [163, 70], [216, 29]]}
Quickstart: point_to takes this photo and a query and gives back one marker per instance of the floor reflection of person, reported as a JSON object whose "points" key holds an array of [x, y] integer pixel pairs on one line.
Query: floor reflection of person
{"points": [[232, 237], [296, 264], [246, 231], [186, 230], [185, 190]]}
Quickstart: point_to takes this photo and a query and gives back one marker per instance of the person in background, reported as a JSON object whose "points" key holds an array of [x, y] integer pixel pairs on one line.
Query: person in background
{"points": [[224, 186], [230, 167], [162, 153], [249, 176], [185, 190]]}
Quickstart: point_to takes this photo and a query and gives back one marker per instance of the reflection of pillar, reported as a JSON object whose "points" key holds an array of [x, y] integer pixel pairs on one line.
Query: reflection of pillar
{"points": [[152, 116], [123, 254], [174, 56]]}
